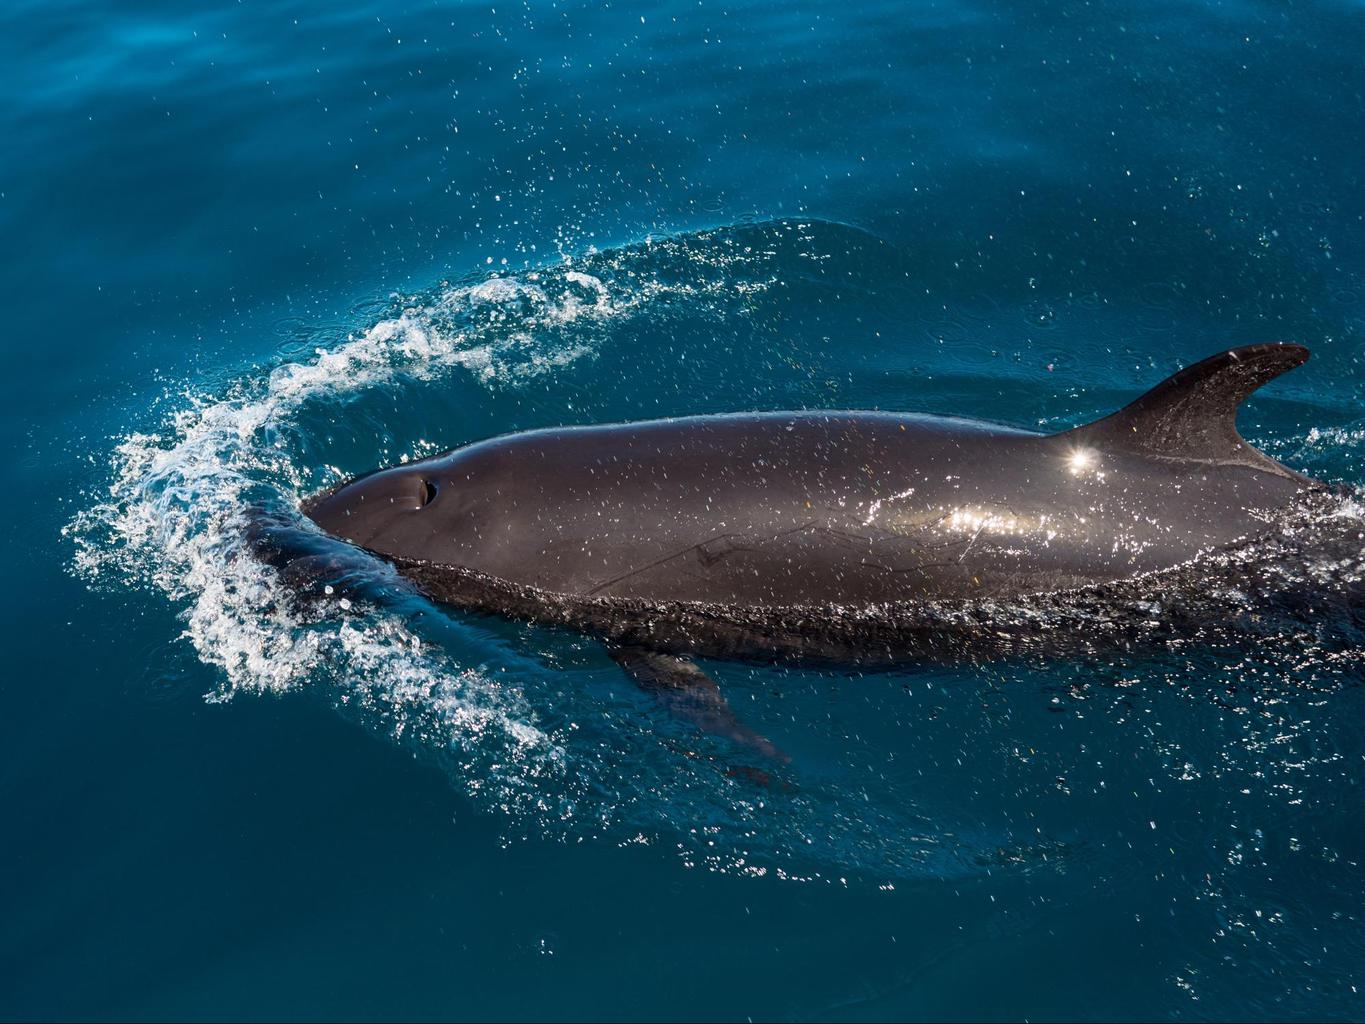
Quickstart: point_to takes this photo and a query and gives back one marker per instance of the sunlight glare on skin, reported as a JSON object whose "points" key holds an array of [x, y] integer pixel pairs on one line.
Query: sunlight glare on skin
{"points": [[1080, 461]]}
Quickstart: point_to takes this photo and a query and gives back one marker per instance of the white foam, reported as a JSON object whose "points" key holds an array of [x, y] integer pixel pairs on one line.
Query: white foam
{"points": [[171, 520]]}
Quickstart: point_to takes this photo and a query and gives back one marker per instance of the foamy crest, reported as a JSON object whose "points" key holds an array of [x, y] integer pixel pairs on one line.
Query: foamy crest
{"points": [[173, 518]]}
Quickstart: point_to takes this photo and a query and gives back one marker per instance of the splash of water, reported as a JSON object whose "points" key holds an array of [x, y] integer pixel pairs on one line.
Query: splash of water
{"points": [[172, 518]]}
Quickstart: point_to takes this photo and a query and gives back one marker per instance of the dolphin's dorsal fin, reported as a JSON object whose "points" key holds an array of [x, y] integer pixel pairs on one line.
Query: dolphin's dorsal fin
{"points": [[1192, 416]]}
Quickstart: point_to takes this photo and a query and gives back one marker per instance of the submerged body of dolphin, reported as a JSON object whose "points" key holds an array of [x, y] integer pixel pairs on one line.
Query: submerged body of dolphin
{"points": [[783, 534]]}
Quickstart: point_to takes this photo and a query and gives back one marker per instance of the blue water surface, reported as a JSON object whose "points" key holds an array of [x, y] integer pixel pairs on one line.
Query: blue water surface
{"points": [[253, 248]]}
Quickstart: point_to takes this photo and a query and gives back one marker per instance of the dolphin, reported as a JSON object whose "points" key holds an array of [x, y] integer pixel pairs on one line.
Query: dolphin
{"points": [[808, 534]]}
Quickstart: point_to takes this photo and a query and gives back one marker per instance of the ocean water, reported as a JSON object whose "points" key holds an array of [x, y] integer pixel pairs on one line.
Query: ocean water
{"points": [[251, 249]]}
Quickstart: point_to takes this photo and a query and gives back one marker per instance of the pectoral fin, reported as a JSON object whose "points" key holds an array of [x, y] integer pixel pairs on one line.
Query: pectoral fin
{"points": [[691, 695]]}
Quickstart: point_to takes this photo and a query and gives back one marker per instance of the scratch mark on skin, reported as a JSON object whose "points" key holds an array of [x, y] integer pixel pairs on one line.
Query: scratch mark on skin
{"points": [[970, 543], [707, 558], [714, 550]]}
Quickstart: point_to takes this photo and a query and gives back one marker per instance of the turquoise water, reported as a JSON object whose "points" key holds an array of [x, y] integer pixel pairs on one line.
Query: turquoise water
{"points": [[252, 249]]}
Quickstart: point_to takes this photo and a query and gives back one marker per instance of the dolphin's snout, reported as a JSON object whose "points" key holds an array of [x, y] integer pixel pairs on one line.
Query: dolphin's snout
{"points": [[371, 510]]}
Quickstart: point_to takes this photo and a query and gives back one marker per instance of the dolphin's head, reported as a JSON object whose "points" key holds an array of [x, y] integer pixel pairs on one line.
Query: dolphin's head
{"points": [[390, 512]]}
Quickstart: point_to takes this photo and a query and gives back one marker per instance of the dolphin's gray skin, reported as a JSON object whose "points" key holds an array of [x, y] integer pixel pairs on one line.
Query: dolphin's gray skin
{"points": [[782, 534]]}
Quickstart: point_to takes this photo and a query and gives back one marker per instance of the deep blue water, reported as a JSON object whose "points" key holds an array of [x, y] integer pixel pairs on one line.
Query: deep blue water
{"points": [[250, 248]]}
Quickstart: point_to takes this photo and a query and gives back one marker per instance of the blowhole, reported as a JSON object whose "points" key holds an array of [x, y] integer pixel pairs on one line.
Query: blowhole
{"points": [[428, 492]]}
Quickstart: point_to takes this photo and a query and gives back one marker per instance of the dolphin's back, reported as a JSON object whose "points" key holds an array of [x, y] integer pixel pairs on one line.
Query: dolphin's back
{"points": [[810, 509], [852, 508]]}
